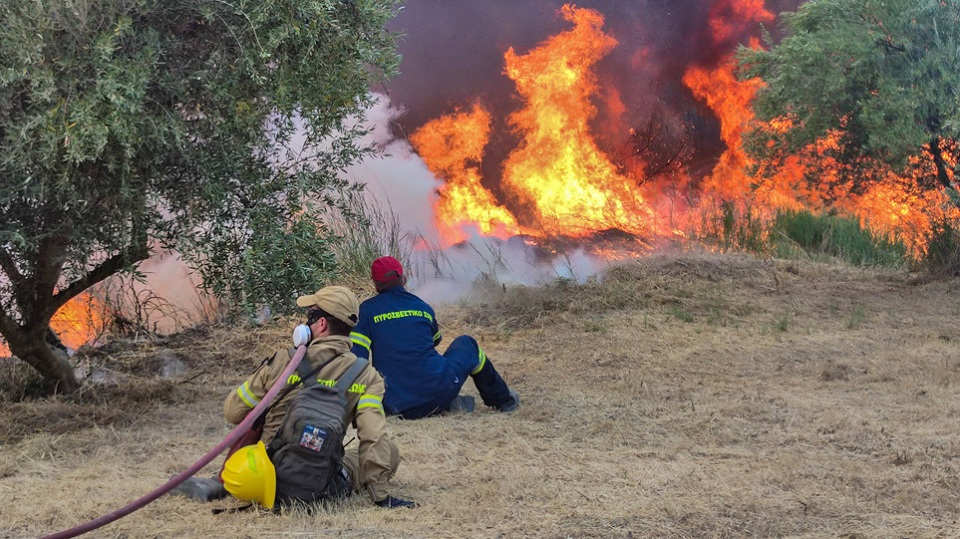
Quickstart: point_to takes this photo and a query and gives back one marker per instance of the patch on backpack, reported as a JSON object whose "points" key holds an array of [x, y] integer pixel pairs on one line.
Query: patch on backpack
{"points": [[312, 438]]}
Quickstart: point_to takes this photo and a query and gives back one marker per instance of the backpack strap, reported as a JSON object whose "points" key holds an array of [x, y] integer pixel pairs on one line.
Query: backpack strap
{"points": [[308, 376], [345, 381]]}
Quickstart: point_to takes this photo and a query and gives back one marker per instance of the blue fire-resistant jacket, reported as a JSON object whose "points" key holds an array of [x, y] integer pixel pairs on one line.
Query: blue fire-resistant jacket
{"points": [[398, 331]]}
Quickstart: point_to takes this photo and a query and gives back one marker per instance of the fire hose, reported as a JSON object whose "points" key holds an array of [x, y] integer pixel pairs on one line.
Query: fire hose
{"points": [[197, 466]]}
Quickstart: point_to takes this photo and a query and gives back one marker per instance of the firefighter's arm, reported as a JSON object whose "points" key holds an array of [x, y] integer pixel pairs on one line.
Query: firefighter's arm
{"points": [[435, 326], [375, 445], [360, 336], [247, 395]]}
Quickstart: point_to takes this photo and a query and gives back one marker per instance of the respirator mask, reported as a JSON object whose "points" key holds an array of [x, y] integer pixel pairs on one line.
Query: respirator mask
{"points": [[302, 334]]}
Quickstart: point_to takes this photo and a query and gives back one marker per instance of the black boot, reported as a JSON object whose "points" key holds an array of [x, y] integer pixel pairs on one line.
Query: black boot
{"points": [[202, 489], [463, 403], [511, 404]]}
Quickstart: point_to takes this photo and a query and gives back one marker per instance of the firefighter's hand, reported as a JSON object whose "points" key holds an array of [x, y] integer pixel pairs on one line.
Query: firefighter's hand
{"points": [[392, 503]]}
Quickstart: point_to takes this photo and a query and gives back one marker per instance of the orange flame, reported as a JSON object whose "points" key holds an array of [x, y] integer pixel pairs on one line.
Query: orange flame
{"points": [[80, 321], [452, 146], [558, 179], [558, 173], [729, 18], [894, 206], [730, 99]]}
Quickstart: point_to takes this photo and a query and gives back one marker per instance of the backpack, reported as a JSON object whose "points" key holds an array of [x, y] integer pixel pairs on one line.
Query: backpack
{"points": [[307, 450]]}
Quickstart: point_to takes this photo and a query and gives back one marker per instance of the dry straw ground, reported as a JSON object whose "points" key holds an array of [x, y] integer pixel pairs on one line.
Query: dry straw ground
{"points": [[686, 396]]}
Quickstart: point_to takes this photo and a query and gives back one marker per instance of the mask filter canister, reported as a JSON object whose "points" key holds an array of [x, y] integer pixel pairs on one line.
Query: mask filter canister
{"points": [[301, 336]]}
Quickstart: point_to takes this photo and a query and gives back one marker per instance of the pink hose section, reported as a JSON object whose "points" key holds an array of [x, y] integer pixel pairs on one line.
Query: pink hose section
{"points": [[184, 475]]}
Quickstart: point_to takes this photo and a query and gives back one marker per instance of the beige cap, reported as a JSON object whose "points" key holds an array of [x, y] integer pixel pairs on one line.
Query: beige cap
{"points": [[338, 301]]}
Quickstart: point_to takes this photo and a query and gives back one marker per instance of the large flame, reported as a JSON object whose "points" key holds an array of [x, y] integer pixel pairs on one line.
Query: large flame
{"points": [[729, 181], [729, 99], [78, 322], [557, 181], [558, 173]]}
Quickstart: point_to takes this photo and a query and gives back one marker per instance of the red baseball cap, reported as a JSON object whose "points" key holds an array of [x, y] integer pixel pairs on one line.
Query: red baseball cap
{"points": [[385, 268]]}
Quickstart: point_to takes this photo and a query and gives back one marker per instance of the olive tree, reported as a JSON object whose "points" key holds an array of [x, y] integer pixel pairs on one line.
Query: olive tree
{"points": [[880, 78], [214, 128]]}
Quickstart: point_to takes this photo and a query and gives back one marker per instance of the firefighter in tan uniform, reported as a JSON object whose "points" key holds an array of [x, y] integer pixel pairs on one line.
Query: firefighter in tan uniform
{"points": [[332, 313]]}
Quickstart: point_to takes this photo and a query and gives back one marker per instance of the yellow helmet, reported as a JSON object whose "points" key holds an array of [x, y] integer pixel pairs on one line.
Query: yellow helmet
{"points": [[250, 476]]}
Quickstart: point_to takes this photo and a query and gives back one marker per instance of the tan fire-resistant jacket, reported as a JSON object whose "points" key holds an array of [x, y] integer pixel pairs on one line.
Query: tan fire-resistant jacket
{"points": [[364, 406]]}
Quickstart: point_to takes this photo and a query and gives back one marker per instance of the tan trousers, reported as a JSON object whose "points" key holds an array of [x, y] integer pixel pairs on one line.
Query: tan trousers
{"points": [[351, 463]]}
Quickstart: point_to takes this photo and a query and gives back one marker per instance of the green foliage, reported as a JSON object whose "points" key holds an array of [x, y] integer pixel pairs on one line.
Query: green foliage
{"points": [[790, 234], [941, 255], [857, 317], [301, 254], [132, 126], [835, 236], [782, 324], [882, 77], [734, 227], [682, 315], [363, 232]]}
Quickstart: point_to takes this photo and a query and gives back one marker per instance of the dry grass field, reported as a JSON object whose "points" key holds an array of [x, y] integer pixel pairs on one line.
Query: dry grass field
{"points": [[683, 396]]}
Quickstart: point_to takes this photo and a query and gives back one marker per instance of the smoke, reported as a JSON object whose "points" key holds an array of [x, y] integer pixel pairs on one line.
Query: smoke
{"points": [[453, 56], [399, 181]]}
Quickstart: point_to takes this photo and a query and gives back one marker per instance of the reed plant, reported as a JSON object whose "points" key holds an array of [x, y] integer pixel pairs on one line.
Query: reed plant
{"points": [[802, 234], [830, 235], [364, 231], [941, 254]]}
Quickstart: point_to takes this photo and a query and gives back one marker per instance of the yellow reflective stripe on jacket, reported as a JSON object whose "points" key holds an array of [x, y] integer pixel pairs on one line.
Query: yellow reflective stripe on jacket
{"points": [[483, 361], [370, 401], [437, 336], [361, 339], [355, 388], [246, 396]]}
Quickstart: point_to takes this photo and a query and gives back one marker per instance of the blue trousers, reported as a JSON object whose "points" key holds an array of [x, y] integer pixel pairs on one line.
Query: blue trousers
{"points": [[465, 359]]}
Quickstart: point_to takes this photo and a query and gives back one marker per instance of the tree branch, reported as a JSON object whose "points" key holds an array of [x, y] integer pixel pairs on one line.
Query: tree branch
{"points": [[19, 284], [935, 149], [9, 266], [131, 254], [8, 326], [49, 266], [887, 42]]}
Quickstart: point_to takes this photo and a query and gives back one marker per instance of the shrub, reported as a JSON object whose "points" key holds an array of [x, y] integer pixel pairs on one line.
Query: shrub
{"points": [[835, 236], [793, 233], [941, 256]]}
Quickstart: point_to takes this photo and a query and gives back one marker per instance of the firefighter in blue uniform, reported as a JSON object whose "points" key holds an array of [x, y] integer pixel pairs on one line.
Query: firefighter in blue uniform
{"points": [[398, 331]]}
